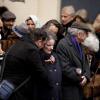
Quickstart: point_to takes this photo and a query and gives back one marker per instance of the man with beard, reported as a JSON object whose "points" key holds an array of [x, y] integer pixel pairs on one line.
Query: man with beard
{"points": [[75, 68], [8, 19], [8, 37]]}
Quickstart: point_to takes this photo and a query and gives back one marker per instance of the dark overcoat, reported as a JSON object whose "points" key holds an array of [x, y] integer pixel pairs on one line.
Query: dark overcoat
{"points": [[70, 60], [23, 60], [52, 91]]}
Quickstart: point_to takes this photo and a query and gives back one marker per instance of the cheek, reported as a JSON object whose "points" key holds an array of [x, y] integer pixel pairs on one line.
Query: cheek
{"points": [[31, 26], [85, 36]]}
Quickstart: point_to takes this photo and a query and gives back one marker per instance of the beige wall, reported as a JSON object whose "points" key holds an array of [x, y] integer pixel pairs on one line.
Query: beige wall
{"points": [[44, 9]]}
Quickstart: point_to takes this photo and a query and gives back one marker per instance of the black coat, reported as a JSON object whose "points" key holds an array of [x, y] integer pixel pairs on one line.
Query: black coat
{"points": [[70, 60], [52, 92], [23, 60]]}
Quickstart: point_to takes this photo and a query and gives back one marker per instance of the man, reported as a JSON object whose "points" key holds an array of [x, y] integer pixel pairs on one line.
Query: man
{"points": [[23, 60], [67, 17], [8, 36], [75, 69], [8, 19]]}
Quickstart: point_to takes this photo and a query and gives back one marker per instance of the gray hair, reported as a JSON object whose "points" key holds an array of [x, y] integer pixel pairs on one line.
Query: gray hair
{"points": [[51, 36], [74, 31], [69, 9]]}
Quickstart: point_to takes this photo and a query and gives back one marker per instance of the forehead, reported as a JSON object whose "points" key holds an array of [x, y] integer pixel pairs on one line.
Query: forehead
{"points": [[9, 20], [30, 21], [65, 13], [50, 41], [79, 30]]}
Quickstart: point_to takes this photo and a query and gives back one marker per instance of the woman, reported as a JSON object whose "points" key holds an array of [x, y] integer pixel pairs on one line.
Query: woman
{"points": [[32, 22], [53, 26], [51, 64]]}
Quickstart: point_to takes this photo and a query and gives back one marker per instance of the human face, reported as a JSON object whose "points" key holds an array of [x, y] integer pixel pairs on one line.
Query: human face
{"points": [[66, 18], [53, 28], [40, 43], [81, 35], [9, 23], [30, 24], [48, 47]]}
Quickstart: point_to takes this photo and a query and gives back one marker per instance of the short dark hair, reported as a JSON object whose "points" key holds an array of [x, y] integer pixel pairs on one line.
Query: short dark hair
{"points": [[38, 34]]}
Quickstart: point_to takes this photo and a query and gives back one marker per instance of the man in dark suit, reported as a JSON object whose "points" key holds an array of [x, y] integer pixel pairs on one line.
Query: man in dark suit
{"points": [[23, 60], [75, 69]]}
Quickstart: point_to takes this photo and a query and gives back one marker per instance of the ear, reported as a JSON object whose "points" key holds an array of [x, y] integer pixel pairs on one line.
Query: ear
{"points": [[39, 42]]}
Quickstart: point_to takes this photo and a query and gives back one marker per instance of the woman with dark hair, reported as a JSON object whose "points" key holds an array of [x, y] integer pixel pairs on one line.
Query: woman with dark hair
{"points": [[55, 27]]}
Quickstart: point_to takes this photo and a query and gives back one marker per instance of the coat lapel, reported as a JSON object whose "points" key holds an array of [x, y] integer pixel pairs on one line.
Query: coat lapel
{"points": [[72, 48]]}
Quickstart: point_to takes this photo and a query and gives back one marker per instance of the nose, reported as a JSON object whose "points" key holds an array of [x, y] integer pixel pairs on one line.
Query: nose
{"points": [[51, 47], [11, 23], [62, 18]]}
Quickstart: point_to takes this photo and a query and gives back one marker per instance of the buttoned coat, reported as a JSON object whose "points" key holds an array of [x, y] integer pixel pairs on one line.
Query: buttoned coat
{"points": [[70, 60], [52, 91]]}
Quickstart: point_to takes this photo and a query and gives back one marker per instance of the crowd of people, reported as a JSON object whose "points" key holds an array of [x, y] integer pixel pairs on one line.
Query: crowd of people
{"points": [[49, 62]]}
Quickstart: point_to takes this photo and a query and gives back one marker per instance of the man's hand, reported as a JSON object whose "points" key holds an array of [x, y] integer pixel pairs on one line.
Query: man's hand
{"points": [[84, 80]]}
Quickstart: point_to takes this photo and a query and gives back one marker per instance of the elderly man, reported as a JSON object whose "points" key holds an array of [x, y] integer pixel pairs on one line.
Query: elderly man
{"points": [[75, 69], [67, 17]]}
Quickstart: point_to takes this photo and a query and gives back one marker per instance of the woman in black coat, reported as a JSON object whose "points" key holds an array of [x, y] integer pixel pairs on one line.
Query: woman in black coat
{"points": [[51, 64]]}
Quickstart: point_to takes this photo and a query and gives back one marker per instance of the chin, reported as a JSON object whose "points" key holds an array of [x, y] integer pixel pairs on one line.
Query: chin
{"points": [[48, 52]]}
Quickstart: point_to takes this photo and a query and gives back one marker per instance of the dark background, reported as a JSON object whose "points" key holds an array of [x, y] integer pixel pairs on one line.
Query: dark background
{"points": [[92, 6]]}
